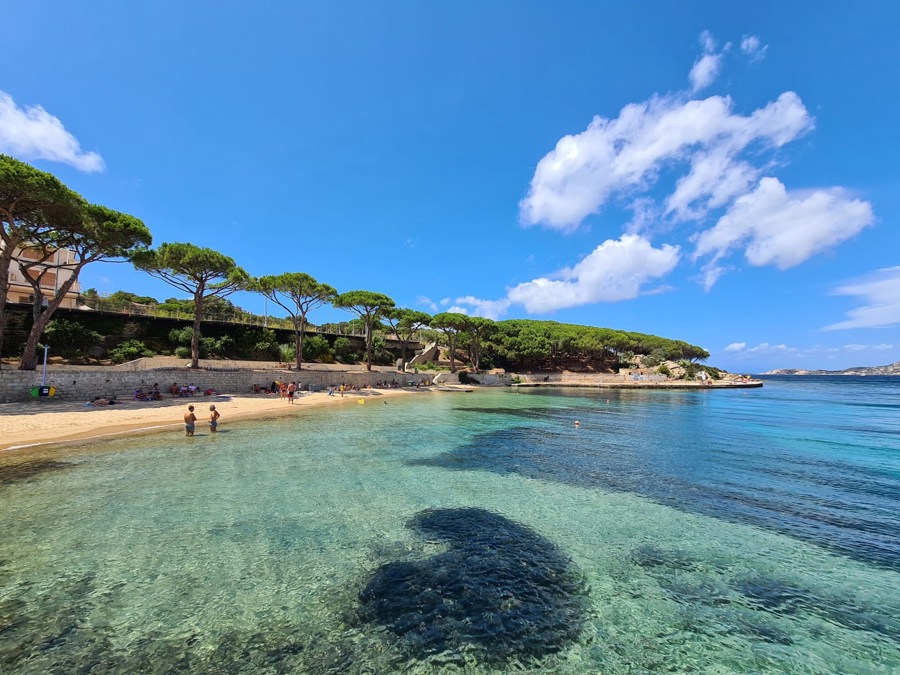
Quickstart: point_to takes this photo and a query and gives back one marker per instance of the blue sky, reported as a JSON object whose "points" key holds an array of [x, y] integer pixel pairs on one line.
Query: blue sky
{"points": [[722, 174]]}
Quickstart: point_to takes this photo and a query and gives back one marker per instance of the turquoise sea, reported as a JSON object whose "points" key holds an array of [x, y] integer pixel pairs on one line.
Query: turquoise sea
{"points": [[734, 531]]}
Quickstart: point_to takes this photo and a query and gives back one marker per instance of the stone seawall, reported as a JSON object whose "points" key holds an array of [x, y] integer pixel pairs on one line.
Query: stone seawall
{"points": [[83, 385]]}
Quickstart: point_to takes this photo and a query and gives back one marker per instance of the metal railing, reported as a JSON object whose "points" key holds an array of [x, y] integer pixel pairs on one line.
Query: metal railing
{"points": [[238, 319]]}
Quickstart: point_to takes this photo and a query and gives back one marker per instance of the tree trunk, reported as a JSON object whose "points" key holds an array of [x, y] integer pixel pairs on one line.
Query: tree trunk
{"points": [[299, 330], [368, 345], [402, 355], [6, 253], [195, 338], [452, 353], [40, 318], [28, 360]]}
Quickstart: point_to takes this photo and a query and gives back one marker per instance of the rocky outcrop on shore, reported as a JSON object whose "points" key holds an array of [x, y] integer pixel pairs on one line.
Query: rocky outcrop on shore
{"points": [[890, 369]]}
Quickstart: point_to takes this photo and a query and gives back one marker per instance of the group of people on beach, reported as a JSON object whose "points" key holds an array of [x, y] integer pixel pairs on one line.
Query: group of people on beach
{"points": [[185, 390], [153, 395], [283, 389], [190, 420]]}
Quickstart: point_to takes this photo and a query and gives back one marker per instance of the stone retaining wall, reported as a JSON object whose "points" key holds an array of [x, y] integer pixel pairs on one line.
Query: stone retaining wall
{"points": [[83, 385]]}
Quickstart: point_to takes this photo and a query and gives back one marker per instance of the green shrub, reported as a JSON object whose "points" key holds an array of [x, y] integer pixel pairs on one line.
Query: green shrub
{"points": [[254, 342], [343, 351], [287, 352], [664, 370], [130, 350], [315, 348], [183, 352], [429, 365], [215, 347], [70, 338], [690, 369], [181, 337]]}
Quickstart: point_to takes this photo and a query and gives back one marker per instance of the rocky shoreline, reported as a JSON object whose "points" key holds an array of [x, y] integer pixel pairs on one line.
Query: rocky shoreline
{"points": [[859, 371], [671, 384]]}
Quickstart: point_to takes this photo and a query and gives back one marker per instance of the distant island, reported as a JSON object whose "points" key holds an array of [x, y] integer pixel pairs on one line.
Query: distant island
{"points": [[890, 369]]}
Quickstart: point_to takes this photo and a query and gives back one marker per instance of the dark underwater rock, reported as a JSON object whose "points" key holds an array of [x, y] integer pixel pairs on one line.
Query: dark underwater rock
{"points": [[500, 590], [14, 473]]}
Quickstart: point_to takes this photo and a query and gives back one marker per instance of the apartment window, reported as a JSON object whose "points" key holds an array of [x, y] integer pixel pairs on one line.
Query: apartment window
{"points": [[48, 280]]}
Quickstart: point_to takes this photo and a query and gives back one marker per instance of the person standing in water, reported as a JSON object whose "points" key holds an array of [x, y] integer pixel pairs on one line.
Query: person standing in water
{"points": [[213, 418], [189, 419]]}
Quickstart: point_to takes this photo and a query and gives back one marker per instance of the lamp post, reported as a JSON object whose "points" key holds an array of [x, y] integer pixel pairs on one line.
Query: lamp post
{"points": [[40, 393], [44, 374]]}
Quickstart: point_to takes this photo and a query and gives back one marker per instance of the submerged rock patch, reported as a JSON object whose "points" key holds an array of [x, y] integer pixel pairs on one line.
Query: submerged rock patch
{"points": [[14, 473], [500, 591]]}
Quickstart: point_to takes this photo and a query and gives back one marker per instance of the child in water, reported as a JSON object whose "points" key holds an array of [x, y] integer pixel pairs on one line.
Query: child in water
{"points": [[213, 418]]}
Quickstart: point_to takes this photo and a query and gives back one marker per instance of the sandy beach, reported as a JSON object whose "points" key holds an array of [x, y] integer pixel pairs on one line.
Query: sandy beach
{"points": [[37, 427], [28, 427]]}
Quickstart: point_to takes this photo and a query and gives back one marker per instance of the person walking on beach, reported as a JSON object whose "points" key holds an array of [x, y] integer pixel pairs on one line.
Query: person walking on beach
{"points": [[189, 419], [290, 392], [213, 419]]}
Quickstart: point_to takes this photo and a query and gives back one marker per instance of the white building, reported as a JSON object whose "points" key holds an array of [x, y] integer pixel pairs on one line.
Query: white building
{"points": [[55, 270]]}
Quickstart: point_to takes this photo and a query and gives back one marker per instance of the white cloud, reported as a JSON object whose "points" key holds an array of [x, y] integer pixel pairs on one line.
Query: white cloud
{"points": [[490, 309], [766, 348], [715, 179], [624, 155], [31, 133], [616, 270], [706, 68], [458, 310], [880, 293], [705, 71], [428, 302], [707, 42], [718, 163], [740, 350], [752, 47], [645, 212], [783, 228]]}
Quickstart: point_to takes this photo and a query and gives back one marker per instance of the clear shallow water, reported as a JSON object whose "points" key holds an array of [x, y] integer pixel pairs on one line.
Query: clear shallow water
{"points": [[727, 531]]}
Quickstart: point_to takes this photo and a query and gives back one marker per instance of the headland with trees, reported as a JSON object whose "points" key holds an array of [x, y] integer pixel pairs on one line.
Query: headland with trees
{"points": [[39, 215]]}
